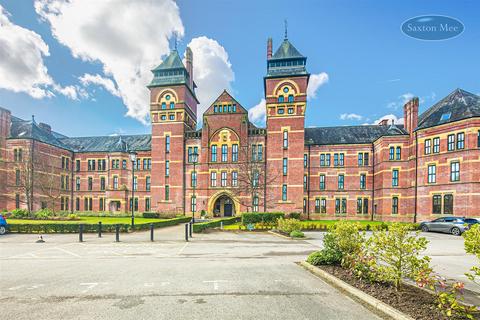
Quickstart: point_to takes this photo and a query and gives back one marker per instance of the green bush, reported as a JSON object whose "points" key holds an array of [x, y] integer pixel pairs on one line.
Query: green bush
{"points": [[297, 234], [324, 257], [19, 214], [199, 227], [72, 216], [267, 218], [294, 215], [289, 225], [43, 214], [151, 215], [472, 246]]}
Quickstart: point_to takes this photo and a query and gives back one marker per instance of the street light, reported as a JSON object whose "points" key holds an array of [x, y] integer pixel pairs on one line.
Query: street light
{"points": [[133, 158], [195, 160]]}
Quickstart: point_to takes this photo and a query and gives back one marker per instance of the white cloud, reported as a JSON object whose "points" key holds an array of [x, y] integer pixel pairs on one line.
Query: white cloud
{"points": [[315, 82], [351, 116], [257, 114], [390, 118], [127, 38], [212, 70], [89, 79]]}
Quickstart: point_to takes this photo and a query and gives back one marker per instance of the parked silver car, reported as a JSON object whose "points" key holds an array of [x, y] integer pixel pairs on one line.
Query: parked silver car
{"points": [[453, 225]]}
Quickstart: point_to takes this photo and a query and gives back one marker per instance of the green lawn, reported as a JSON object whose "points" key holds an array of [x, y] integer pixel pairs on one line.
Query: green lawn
{"points": [[87, 220]]}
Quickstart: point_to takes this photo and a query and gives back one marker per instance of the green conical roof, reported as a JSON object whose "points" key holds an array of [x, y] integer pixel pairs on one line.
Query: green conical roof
{"points": [[173, 61], [287, 51]]}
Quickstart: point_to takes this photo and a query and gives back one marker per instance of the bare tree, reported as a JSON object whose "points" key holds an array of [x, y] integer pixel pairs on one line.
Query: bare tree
{"points": [[23, 181], [49, 182]]}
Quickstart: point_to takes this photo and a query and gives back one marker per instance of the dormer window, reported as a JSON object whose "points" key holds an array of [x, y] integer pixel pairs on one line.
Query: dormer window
{"points": [[280, 99], [445, 116]]}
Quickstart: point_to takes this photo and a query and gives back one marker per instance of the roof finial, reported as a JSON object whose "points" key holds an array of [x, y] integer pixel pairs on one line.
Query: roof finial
{"points": [[33, 118], [286, 29], [175, 39]]}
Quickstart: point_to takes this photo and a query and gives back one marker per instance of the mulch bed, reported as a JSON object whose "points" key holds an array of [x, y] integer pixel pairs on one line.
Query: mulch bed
{"points": [[411, 300]]}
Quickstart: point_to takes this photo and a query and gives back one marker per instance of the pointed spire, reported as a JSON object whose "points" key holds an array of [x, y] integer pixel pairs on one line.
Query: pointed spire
{"points": [[286, 29]]}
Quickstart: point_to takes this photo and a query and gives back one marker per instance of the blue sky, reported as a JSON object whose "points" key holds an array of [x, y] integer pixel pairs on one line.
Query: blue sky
{"points": [[371, 65]]}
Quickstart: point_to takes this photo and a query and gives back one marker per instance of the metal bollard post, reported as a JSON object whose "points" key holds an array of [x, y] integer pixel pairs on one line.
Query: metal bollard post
{"points": [[190, 229], [100, 229], [151, 232], [186, 232], [80, 233], [117, 233], [221, 225]]}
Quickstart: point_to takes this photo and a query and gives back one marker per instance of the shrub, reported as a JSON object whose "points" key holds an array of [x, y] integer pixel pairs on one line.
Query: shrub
{"points": [[398, 253], [199, 227], [294, 215], [324, 257], [43, 214], [289, 225], [297, 234], [472, 246], [19, 214], [348, 240], [203, 213], [150, 215], [72, 216], [267, 218]]}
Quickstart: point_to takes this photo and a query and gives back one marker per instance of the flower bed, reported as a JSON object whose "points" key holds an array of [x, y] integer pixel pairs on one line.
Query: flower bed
{"points": [[200, 227]]}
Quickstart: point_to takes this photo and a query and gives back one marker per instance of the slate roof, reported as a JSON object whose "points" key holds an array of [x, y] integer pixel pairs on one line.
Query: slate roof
{"points": [[22, 129], [286, 51], [458, 105], [124, 143], [173, 61], [170, 71], [350, 134]]}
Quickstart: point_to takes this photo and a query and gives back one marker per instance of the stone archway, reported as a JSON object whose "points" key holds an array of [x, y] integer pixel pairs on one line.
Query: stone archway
{"points": [[223, 205]]}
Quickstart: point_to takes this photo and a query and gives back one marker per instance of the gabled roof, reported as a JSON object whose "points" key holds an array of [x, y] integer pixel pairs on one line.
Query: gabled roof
{"points": [[350, 134], [22, 129], [173, 61], [458, 105], [225, 98], [286, 51]]}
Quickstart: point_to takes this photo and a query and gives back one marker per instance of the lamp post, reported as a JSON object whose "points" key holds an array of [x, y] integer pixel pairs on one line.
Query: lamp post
{"points": [[133, 158], [195, 160]]}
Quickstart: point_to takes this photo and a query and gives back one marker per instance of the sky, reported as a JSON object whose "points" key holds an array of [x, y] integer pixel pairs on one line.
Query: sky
{"points": [[82, 65]]}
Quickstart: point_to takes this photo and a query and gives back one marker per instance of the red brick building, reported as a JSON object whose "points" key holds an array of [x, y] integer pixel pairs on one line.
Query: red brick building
{"points": [[428, 167]]}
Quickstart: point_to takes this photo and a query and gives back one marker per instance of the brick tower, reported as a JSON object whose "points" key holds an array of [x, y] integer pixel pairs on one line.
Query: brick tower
{"points": [[173, 110], [286, 100]]}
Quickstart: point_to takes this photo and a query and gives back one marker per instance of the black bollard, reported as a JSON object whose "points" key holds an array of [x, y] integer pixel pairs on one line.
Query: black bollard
{"points": [[186, 232], [190, 227], [151, 232], [100, 229], [117, 233], [80, 233]]}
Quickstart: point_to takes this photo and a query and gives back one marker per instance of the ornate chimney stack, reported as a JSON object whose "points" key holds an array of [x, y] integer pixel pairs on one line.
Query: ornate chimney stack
{"points": [[410, 112], [269, 48], [189, 66]]}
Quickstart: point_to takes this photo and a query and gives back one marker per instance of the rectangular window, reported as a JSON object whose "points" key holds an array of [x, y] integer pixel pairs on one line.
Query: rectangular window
{"points": [[342, 159], [448, 204], [255, 178], [285, 139], [317, 205], [454, 171], [77, 165], [436, 145], [190, 152], [135, 183], [363, 181], [398, 153], [193, 179], [323, 205], [223, 180], [167, 168], [255, 203], [395, 178], [101, 205], [451, 142], [224, 152], [167, 192], [136, 204], [305, 182], [428, 146], [17, 177], [432, 173], [391, 154], [147, 183], [305, 162], [77, 183], [260, 152], [193, 204], [90, 183], [344, 205], [366, 159], [365, 205], [234, 178], [327, 159], [254, 152], [360, 159], [214, 153], [145, 166], [322, 182], [322, 160], [115, 183], [77, 204], [17, 201], [149, 164], [235, 153], [124, 164], [359, 205], [62, 203], [284, 192], [460, 140], [395, 205], [213, 179], [341, 181], [335, 159], [147, 204], [102, 183], [437, 204], [285, 166], [167, 143]]}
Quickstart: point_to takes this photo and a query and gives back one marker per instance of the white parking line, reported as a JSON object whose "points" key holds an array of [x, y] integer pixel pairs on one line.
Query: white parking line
{"points": [[181, 250], [69, 252], [215, 283]]}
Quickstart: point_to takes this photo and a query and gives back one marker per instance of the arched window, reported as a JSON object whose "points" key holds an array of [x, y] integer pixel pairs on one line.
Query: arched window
{"points": [[290, 98], [280, 99], [172, 105], [164, 105]]}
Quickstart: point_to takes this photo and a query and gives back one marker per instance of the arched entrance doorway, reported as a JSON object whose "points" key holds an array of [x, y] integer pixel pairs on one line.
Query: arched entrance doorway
{"points": [[223, 207]]}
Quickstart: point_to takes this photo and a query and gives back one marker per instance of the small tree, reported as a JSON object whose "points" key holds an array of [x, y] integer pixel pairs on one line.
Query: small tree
{"points": [[48, 182], [398, 253], [472, 246], [24, 172]]}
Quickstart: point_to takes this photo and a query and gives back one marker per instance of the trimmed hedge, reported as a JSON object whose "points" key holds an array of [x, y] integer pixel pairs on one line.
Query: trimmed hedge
{"points": [[199, 227], [74, 228], [266, 218]]}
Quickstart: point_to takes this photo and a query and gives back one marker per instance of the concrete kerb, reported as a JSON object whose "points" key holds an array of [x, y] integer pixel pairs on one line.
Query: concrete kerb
{"points": [[367, 299], [285, 237]]}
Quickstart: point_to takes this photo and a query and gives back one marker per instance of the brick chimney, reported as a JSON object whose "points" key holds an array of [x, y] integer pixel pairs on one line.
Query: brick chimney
{"points": [[189, 61], [269, 48], [410, 113], [45, 127]]}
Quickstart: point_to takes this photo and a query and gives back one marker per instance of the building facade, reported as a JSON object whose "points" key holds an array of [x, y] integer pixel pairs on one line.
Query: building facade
{"points": [[428, 167]]}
